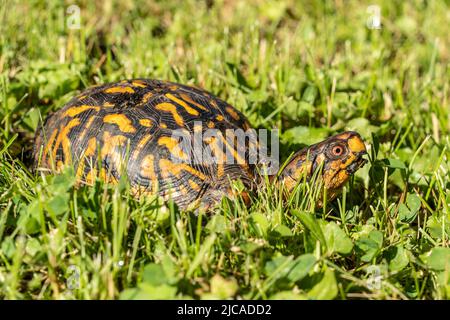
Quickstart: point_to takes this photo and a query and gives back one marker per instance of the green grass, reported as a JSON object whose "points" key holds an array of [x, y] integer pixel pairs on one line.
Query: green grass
{"points": [[310, 69]]}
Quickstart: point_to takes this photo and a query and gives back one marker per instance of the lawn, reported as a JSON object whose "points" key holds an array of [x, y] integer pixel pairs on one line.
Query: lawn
{"points": [[310, 69]]}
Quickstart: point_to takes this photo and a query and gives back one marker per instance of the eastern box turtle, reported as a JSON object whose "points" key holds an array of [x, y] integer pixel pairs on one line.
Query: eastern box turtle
{"points": [[131, 128]]}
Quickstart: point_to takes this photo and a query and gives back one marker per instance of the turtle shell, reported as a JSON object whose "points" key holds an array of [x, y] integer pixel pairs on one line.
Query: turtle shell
{"points": [[128, 128]]}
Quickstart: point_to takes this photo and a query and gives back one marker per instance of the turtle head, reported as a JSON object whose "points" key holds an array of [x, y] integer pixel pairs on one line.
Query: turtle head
{"points": [[338, 157]]}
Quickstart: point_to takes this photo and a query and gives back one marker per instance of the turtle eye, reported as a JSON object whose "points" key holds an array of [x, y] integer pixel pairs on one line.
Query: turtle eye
{"points": [[337, 150]]}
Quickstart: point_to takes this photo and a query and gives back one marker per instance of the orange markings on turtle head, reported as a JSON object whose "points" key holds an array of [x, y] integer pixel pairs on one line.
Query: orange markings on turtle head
{"points": [[356, 145]]}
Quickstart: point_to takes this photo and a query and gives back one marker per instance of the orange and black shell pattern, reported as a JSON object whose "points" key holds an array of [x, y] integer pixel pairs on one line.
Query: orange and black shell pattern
{"points": [[127, 128]]}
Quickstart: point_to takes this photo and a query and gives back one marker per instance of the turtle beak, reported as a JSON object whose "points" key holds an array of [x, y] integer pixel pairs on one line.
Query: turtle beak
{"points": [[358, 163]]}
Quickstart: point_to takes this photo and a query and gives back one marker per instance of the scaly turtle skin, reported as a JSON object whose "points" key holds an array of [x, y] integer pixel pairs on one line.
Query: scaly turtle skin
{"points": [[128, 128]]}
